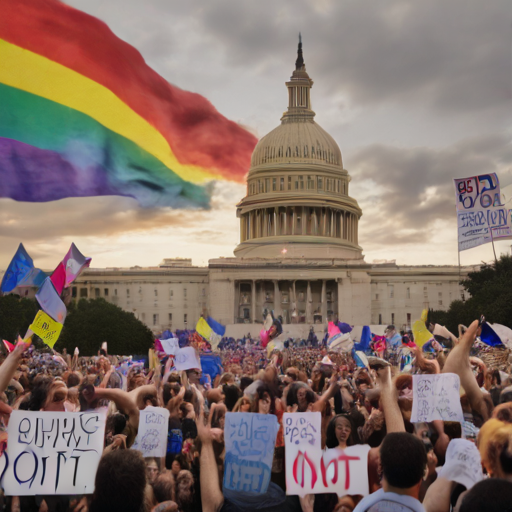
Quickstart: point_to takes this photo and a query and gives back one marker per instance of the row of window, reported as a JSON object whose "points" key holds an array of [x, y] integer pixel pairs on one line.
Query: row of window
{"points": [[84, 292], [317, 153], [409, 317], [156, 318], [266, 185]]}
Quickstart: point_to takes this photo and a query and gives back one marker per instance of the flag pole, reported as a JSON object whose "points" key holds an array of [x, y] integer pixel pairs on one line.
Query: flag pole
{"points": [[493, 248]]}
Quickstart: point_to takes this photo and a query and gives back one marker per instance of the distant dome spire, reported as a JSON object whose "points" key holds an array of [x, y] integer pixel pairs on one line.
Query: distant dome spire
{"points": [[299, 63]]}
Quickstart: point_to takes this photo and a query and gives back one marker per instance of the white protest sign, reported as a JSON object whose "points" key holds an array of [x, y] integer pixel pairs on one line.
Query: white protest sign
{"points": [[186, 358], [53, 452], [479, 210], [463, 463], [170, 346], [151, 438], [436, 397], [311, 470]]}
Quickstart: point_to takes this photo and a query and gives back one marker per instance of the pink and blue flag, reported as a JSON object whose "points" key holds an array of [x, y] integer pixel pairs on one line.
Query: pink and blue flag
{"points": [[21, 272], [69, 268], [50, 302]]}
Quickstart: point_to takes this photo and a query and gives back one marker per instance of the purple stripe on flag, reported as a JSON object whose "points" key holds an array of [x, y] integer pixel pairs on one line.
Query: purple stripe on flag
{"points": [[33, 174]]}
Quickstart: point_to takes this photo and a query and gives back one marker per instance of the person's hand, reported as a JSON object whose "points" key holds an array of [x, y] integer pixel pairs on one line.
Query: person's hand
{"points": [[79, 505], [307, 502], [204, 431], [292, 408], [119, 442], [384, 376]]}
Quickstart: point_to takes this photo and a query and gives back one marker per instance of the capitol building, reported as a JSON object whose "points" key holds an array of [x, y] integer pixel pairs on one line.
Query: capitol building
{"points": [[299, 254]]}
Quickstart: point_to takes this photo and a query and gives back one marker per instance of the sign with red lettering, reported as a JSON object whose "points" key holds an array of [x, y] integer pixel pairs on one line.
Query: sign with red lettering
{"points": [[309, 470], [52, 452]]}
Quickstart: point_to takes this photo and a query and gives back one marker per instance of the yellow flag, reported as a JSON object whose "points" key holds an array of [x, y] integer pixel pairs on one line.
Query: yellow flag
{"points": [[204, 329], [424, 316], [421, 333], [46, 328]]}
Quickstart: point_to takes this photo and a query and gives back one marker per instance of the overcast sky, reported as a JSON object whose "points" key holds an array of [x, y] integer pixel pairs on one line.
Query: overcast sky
{"points": [[415, 94]]}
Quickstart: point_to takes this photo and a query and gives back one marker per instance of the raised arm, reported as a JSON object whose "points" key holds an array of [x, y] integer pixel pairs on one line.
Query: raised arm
{"points": [[123, 401], [319, 405], [389, 398], [10, 365], [211, 494], [458, 362]]}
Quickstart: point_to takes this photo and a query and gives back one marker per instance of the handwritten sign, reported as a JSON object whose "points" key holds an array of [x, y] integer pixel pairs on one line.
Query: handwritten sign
{"points": [[46, 328], [480, 210], [436, 397], [463, 463], [52, 452], [151, 438], [250, 439], [186, 358], [309, 470], [170, 346]]}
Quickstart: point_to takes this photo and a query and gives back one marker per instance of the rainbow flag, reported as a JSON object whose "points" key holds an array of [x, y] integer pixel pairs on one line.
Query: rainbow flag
{"points": [[82, 114]]}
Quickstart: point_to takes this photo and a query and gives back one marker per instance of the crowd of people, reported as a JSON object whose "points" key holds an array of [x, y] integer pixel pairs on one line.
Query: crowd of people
{"points": [[367, 404]]}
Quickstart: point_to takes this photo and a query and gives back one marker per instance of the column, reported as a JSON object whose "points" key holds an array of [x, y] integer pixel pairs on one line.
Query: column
{"points": [[309, 309], [304, 220], [276, 221], [253, 301], [277, 299], [294, 220], [324, 301], [237, 300], [357, 231]]}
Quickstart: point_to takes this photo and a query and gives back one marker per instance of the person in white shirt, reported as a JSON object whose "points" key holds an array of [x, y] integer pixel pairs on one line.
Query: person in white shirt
{"points": [[403, 460]]}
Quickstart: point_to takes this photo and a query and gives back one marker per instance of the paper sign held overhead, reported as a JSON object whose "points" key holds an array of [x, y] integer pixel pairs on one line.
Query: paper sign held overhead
{"points": [[151, 438], [463, 463], [309, 470], [186, 358], [436, 397], [170, 346], [52, 452], [46, 328]]}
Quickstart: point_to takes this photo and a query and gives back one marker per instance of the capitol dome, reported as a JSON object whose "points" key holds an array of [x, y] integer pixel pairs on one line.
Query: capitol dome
{"points": [[292, 143], [297, 199]]}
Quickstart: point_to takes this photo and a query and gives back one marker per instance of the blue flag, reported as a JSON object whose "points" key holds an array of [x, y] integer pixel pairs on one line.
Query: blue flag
{"points": [[216, 327], [21, 272], [489, 337], [366, 338]]}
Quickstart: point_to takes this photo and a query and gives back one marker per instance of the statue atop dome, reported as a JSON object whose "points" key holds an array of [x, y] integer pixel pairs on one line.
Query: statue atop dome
{"points": [[299, 63]]}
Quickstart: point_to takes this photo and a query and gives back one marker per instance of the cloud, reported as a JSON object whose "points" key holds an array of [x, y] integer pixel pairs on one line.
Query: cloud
{"points": [[405, 193], [104, 224], [449, 55]]}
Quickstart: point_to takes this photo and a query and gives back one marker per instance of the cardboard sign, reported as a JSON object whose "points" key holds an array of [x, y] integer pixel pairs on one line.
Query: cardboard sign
{"points": [[309, 470], [436, 397], [186, 358], [52, 452], [46, 328], [151, 438], [170, 346], [463, 463], [250, 439]]}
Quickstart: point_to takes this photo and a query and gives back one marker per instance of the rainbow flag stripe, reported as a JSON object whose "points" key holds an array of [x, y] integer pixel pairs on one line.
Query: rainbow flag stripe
{"points": [[82, 114]]}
